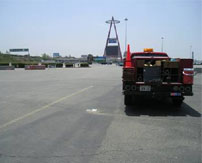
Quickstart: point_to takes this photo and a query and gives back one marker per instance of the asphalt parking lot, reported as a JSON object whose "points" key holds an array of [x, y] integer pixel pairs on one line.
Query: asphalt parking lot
{"points": [[77, 115]]}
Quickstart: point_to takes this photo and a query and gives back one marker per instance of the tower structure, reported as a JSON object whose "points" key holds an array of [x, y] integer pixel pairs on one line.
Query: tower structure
{"points": [[112, 48]]}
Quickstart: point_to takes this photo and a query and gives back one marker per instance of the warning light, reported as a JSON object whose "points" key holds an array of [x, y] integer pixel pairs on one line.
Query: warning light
{"points": [[148, 50]]}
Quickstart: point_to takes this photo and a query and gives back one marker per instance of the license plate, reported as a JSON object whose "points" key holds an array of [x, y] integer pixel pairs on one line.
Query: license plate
{"points": [[145, 88], [175, 94]]}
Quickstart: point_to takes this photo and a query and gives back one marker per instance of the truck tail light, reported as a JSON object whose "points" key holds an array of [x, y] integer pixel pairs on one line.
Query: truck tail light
{"points": [[188, 75]]}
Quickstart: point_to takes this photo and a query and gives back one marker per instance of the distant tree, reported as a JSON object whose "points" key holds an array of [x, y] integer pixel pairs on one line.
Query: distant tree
{"points": [[45, 56], [90, 58]]}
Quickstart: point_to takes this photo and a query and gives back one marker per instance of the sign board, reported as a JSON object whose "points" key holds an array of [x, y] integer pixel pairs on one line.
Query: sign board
{"points": [[112, 51], [56, 55], [112, 40], [99, 58], [84, 56], [19, 50]]}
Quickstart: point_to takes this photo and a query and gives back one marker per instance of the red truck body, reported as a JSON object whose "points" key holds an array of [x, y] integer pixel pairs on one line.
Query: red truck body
{"points": [[155, 74]]}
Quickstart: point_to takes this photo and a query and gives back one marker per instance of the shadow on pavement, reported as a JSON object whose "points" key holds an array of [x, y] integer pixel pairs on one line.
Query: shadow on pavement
{"points": [[154, 107]]}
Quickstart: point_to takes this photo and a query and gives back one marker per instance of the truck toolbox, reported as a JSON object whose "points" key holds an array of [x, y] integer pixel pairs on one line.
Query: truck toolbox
{"points": [[171, 64], [152, 73], [140, 63]]}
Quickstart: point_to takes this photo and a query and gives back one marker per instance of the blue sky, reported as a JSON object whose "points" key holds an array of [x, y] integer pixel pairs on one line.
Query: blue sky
{"points": [[78, 27]]}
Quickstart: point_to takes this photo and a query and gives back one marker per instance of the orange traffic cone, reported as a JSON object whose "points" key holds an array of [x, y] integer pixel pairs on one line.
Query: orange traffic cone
{"points": [[128, 63]]}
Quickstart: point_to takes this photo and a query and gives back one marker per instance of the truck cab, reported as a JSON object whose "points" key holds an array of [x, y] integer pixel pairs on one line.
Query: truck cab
{"points": [[155, 74]]}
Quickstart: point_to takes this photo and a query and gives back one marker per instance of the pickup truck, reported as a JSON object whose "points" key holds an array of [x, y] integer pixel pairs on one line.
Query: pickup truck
{"points": [[155, 74]]}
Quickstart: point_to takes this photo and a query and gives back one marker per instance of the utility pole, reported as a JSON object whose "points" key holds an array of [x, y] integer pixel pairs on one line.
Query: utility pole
{"points": [[190, 51], [125, 33], [162, 44], [192, 55]]}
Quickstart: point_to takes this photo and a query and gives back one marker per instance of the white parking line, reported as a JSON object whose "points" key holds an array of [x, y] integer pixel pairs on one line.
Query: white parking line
{"points": [[43, 108]]}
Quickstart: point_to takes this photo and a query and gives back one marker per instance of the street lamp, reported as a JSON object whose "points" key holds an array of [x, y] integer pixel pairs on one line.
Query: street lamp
{"points": [[125, 33], [190, 51], [162, 44]]}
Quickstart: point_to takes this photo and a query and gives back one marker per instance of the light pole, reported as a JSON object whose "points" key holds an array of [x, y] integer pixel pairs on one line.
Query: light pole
{"points": [[162, 44], [125, 33], [190, 51]]}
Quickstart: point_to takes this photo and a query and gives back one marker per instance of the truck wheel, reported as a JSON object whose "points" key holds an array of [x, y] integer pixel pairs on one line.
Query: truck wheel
{"points": [[128, 99], [177, 102]]}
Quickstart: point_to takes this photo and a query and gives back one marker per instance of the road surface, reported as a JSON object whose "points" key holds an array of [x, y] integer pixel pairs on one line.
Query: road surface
{"points": [[77, 115]]}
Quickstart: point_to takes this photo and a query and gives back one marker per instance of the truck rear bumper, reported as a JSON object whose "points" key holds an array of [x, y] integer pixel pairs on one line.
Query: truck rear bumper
{"points": [[157, 94], [163, 89]]}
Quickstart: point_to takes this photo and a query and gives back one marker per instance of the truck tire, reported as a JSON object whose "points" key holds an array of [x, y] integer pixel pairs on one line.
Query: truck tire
{"points": [[177, 102], [127, 100]]}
